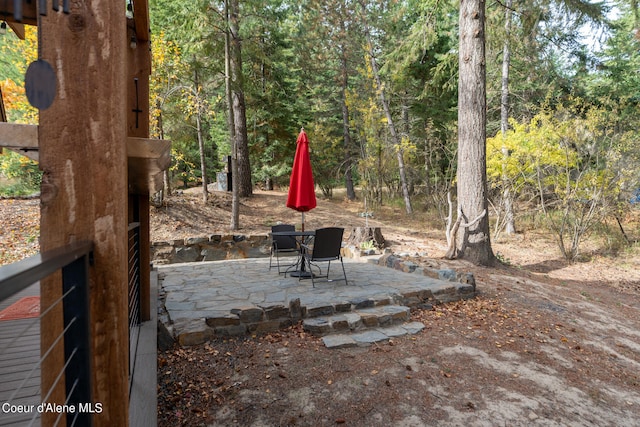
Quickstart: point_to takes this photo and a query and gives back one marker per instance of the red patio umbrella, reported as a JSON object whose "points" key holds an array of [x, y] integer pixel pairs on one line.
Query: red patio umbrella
{"points": [[302, 194]]}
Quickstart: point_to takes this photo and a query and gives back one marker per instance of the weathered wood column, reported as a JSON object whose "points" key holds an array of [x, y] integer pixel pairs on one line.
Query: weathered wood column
{"points": [[82, 139], [138, 72]]}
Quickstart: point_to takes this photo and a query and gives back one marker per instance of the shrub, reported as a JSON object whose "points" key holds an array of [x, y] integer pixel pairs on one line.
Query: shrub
{"points": [[22, 173]]}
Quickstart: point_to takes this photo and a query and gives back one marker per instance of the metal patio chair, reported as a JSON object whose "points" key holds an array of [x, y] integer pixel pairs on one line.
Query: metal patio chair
{"points": [[282, 245], [326, 248]]}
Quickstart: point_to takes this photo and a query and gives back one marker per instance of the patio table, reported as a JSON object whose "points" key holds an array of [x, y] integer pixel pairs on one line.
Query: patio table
{"points": [[298, 270]]}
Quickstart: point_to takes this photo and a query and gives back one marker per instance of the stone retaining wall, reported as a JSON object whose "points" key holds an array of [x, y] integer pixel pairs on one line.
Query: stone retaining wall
{"points": [[453, 286], [219, 247], [263, 319], [447, 274], [216, 247]]}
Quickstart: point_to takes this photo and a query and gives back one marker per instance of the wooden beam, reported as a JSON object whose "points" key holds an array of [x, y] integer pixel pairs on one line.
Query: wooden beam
{"points": [[3, 113], [20, 138], [84, 191], [141, 18], [29, 12], [147, 160], [146, 148], [152, 156], [26, 136], [19, 135], [143, 182], [139, 70], [18, 29]]}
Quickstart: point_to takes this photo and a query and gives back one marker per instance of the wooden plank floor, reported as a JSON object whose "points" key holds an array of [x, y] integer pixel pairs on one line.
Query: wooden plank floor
{"points": [[19, 353], [143, 400]]}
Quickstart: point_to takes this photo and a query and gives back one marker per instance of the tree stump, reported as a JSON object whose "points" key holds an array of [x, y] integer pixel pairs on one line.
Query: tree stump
{"points": [[360, 235]]}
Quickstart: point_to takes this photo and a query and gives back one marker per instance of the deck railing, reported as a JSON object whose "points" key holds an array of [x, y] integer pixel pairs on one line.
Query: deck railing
{"points": [[134, 294], [73, 261]]}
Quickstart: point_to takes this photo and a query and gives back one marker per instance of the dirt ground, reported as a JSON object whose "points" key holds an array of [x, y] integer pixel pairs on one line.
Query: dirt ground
{"points": [[545, 343]]}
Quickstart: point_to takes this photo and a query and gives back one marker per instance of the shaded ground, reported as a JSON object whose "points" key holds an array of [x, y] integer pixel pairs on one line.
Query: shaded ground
{"points": [[530, 250], [545, 343], [19, 229], [491, 361]]}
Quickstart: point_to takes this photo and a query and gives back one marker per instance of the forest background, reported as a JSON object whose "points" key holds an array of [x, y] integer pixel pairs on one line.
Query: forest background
{"points": [[375, 85]]}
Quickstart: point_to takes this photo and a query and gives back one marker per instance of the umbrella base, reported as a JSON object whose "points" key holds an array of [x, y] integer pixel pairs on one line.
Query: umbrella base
{"points": [[301, 273]]}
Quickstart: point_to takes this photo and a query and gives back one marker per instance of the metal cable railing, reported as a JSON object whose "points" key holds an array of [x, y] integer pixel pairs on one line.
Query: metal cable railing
{"points": [[26, 403], [134, 294]]}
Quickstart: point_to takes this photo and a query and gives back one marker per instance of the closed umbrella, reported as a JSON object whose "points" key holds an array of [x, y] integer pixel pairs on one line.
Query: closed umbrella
{"points": [[302, 194]]}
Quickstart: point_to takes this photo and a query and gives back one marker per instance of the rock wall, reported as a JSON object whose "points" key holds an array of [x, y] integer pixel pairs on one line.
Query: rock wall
{"points": [[446, 274], [222, 247], [213, 248]]}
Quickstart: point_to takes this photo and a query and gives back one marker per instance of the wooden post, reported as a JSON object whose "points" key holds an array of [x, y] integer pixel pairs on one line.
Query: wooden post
{"points": [[82, 139], [138, 72], [3, 114]]}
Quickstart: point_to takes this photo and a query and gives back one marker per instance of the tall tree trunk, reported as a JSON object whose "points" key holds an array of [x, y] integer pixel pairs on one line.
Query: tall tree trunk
{"points": [[268, 180], [243, 176], [406, 122], [166, 189], [474, 242], [387, 111], [235, 198], [636, 16], [348, 162], [507, 194], [203, 162]]}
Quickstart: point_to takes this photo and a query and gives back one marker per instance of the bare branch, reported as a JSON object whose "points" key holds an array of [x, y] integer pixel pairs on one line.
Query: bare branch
{"points": [[452, 231]]}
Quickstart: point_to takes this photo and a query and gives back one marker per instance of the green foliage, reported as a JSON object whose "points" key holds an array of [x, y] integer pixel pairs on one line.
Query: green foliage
{"points": [[503, 259], [183, 171], [326, 157], [573, 110], [575, 162], [22, 173], [15, 56], [368, 245]]}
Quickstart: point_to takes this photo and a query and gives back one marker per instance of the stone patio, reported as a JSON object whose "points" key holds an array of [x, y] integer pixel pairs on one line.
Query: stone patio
{"points": [[200, 301]]}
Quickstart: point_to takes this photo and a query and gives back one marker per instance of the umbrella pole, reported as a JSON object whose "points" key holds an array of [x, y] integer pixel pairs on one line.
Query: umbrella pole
{"points": [[302, 266]]}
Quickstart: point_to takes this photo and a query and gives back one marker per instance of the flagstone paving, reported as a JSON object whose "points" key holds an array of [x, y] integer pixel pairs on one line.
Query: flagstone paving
{"points": [[227, 298]]}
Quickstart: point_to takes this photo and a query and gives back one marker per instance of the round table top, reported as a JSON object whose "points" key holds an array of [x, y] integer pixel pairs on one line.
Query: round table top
{"points": [[293, 233]]}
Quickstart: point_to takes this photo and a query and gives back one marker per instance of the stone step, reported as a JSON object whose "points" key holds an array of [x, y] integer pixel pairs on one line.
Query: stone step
{"points": [[369, 336], [384, 315], [363, 327]]}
